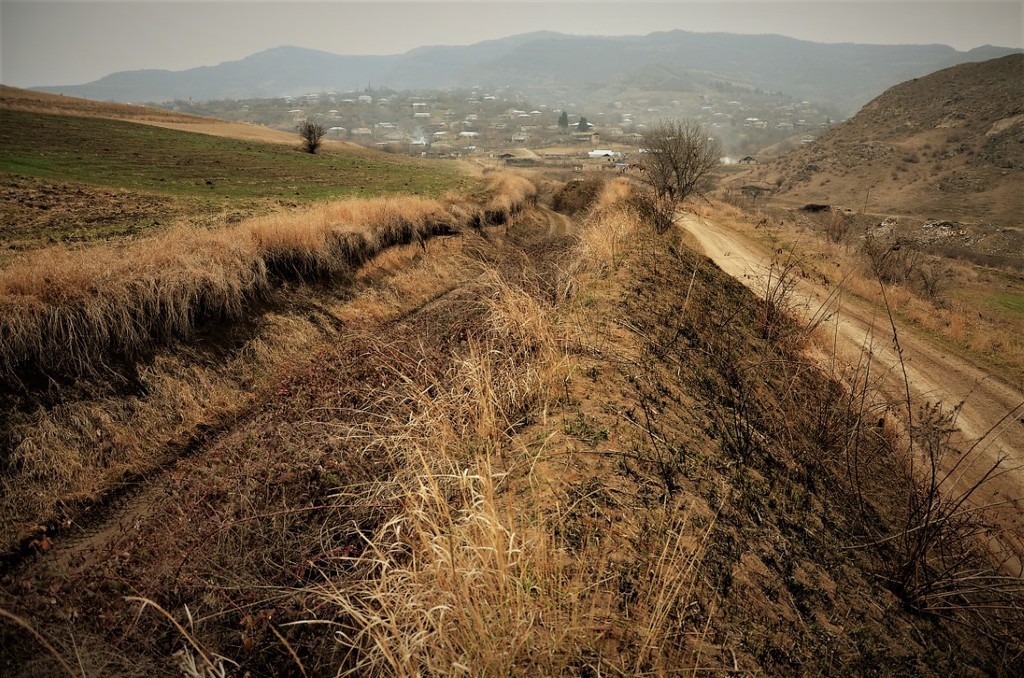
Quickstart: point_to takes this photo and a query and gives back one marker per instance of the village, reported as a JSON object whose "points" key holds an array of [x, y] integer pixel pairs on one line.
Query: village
{"points": [[502, 127]]}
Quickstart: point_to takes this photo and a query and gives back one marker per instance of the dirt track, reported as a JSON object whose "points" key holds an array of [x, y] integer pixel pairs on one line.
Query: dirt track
{"points": [[993, 412]]}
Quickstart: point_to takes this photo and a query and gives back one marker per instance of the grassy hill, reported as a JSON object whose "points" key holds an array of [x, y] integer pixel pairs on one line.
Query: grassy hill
{"points": [[82, 171]]}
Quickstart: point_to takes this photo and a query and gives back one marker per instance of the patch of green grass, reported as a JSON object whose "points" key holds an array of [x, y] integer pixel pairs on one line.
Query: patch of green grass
{"points": [[138, 157], [1007, 302], [583, 429]]}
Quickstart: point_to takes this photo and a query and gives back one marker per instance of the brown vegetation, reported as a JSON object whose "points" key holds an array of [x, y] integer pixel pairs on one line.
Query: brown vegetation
{"points": [[595, 454], [92, 338], [944, 145]]}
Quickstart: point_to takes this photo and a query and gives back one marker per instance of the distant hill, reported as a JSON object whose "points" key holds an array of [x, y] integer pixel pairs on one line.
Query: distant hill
{"points": [[551, 66], [950, 145]]}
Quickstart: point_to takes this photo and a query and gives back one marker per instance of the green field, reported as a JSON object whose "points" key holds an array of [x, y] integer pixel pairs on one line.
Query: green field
{"points": [[134, 176], [1008, 302], [114, 153]]}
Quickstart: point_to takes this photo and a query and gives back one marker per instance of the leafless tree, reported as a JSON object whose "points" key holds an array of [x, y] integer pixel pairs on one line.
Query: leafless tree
{"points": [[312, 134], [678, 160]]}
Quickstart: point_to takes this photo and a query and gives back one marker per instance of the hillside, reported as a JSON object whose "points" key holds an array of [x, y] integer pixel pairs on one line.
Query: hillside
{"points": [[74, 170], [509, 428], [512, 449], [949, 145], [553, 67]]}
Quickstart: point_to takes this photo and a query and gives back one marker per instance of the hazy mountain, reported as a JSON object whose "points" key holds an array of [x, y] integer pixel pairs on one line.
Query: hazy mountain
{"points": [[293, 71], [949, 144], [548, 65]]}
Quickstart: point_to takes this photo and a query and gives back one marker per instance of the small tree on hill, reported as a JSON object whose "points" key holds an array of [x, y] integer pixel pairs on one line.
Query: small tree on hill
{"points": [[312, 134], [677, 161]]}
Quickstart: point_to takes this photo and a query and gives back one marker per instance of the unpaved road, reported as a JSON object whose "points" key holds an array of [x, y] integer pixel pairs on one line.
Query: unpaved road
{"points": [[992, 412]]}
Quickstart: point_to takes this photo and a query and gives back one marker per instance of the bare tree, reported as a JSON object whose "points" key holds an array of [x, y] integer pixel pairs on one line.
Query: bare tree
{"points": [[312, 134], [678, 159]]}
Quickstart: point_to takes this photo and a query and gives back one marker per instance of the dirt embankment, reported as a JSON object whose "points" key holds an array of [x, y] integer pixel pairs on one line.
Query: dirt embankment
{"points": [[992, 412]]}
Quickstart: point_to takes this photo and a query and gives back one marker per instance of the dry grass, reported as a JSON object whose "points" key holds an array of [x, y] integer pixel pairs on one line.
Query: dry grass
{"points": [[66, 313], [476, 574], [446, 581], [511, 194], [608, 226], [99, 383], [531, 484]]}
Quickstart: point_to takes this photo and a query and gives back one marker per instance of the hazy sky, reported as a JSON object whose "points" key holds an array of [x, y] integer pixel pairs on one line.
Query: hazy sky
{"points": [[66, 42]]}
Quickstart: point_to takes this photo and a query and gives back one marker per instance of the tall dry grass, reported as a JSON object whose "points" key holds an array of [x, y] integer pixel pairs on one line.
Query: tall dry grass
{"points": [[94, 394], [476, 574], [448, 577], [65, 314], [610, 222], [510, 194]]}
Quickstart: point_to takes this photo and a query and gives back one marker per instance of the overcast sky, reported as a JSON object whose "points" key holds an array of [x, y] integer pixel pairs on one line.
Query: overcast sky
{"points": [[67, 42]]}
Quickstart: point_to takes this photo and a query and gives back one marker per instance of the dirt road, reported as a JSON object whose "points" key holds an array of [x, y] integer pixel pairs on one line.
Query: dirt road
{"points": [[992, 414]]}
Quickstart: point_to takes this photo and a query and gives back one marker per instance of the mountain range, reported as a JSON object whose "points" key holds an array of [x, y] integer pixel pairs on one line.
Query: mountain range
{"points": [[555, 67]]}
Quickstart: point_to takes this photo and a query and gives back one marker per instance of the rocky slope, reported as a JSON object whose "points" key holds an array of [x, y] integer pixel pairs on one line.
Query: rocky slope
{"points": [[949, 145]]}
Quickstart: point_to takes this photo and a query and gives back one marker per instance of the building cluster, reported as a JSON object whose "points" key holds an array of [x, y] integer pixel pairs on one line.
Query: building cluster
{"points": [[478, 121]]}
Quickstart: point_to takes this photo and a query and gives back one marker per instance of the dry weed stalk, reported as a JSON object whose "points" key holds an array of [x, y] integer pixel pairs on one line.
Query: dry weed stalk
{"points": [[946, 554], [197, 662], [41, 639]]}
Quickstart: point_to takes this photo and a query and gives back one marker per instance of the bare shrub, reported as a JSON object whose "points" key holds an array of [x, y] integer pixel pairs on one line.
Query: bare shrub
{"points": [[892, 260], [837, 226], [933, 279], [678, 161], [895, 261], [312, 134]]}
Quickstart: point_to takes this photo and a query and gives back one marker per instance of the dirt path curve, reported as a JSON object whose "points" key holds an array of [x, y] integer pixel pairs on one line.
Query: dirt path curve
{"points": [[558, 224], [933, 374]]}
